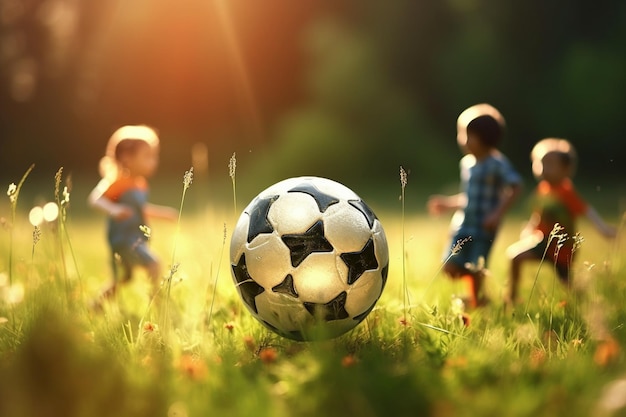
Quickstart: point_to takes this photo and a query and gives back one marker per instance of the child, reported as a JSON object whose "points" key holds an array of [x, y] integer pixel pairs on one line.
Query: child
{"points": [[555, 201], [122, 193], [489, 186]]}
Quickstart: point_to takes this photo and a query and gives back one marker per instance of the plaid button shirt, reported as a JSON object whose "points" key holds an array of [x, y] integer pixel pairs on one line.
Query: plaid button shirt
{"points": [[483, 182]]}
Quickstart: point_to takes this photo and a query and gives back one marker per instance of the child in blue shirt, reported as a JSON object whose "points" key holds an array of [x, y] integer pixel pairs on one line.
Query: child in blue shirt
{"points": [[489, 186], [131, 158]]}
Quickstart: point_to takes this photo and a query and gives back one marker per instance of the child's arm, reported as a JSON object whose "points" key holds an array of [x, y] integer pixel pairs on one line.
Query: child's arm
{"points": [[97, 200], [510, 194], [160, 212], [438, 204], [601, 226]]}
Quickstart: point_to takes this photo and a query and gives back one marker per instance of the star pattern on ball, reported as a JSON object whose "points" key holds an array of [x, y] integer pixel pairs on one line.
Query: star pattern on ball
{"points": [[286, 287], [323, 200], [258, 217], [303, 244], [359, 262], [364, 208], [335, 309], [248, 287]]}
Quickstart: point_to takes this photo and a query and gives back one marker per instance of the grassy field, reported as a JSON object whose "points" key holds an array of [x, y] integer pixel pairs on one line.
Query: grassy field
{"points": [[200, 352]]}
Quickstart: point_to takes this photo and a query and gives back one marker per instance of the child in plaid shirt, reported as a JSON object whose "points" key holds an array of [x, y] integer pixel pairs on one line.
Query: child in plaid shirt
{"points": [[489, 186]]}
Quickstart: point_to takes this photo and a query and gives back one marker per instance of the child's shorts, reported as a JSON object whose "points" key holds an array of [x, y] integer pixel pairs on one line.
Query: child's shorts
{"points": [[138, 254], [561, 265]]}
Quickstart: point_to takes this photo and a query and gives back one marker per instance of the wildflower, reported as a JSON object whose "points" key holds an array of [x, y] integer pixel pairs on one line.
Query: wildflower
{"points": [[66, 197], [229, 326], [147, 232], [248, 341], [268, 355], [149, 327], [12, 192], [348, 361], [188, 178], [403, 321], [192, 366], [607, 352], [537, 358]]}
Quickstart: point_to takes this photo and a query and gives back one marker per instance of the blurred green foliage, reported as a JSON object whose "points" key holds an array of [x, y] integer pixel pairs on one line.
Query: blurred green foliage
{"points": [[346, 89]]}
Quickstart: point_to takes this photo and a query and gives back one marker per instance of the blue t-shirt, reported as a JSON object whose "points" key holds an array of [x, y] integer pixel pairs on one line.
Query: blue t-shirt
{"points": [[132, 193]]}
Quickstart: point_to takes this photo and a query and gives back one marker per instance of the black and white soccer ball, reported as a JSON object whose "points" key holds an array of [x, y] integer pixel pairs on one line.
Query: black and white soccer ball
{"points": [[309, 258]]}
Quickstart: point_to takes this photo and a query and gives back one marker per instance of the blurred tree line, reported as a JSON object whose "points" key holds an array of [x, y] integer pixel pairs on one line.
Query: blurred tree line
{"points": [[348, 89]]}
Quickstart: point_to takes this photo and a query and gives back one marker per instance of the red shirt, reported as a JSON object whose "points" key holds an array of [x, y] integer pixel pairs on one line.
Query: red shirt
{"points": [[560, 204], [120, 186]]}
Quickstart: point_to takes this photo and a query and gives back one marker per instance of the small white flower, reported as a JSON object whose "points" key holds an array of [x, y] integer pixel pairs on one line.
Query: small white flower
{"points": [[11, 192], [147, 232]]}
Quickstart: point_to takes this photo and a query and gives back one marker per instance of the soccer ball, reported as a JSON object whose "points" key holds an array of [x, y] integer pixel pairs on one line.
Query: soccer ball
{"points": [[309, 258]]}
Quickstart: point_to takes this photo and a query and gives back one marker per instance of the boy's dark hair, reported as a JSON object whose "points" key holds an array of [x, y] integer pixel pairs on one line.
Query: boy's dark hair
{"points": [[565, 158], [487, 129], [129, 147]]}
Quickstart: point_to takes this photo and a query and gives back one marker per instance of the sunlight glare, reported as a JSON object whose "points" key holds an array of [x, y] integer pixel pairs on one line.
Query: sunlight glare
{"points": [[50, 211], [35, 216]]}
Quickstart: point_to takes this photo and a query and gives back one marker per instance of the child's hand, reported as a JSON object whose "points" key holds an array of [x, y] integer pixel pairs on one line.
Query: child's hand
{"points": [[161, 212], [609, 232], [436, 205], [120, 212]]}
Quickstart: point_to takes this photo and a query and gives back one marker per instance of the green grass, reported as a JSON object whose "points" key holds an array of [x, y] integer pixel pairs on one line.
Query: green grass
{"points": [[57, 358]]}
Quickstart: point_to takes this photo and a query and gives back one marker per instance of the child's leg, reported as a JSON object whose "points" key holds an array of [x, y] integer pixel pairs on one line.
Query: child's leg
{"points": [[516, 272], [474, 286]]}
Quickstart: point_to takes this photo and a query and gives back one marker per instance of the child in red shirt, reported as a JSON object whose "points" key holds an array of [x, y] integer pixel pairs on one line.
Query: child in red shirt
{"points": [[555, 201]]}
